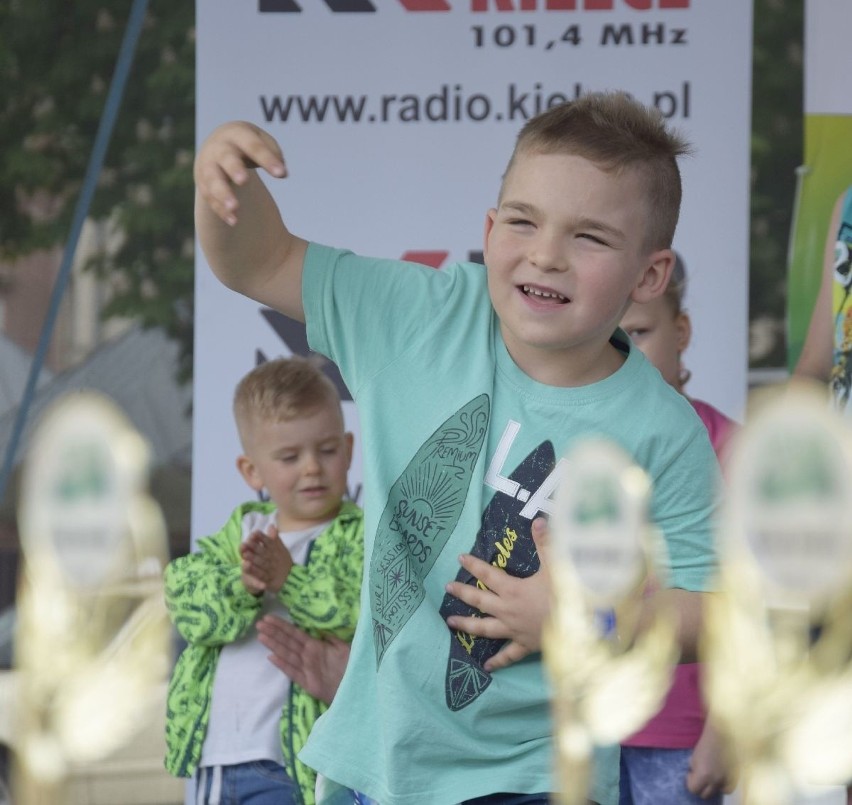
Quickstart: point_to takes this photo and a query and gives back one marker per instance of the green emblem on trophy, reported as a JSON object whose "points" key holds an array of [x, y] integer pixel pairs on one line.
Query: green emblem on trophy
{"points": [[92, 633], [608, 679], [777, 637]]}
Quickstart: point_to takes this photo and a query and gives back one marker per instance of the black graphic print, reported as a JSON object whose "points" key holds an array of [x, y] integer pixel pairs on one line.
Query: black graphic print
{"points": [[505, 540], [423, 508]]}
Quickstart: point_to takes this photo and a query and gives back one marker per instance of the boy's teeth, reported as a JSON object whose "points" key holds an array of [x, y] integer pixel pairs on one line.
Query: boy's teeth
{"points": [[543, 294]]}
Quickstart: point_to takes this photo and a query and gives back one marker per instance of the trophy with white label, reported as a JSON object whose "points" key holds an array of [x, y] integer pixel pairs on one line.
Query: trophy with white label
{"points": [[778, 638], [608, 678], [92, 635]]}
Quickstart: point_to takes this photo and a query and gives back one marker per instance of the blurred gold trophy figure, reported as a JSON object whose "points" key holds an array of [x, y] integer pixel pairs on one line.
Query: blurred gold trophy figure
{"points": [[608, 679], [777, 639], [92, 635]]}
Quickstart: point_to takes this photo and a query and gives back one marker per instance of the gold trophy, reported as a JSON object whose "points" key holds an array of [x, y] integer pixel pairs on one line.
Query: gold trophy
{"points": [[778, 638], [92, 634], [608, 678]]}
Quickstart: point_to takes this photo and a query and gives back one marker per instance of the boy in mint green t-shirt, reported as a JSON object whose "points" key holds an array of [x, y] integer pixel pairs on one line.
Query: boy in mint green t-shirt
{"points": [[466, 407]]}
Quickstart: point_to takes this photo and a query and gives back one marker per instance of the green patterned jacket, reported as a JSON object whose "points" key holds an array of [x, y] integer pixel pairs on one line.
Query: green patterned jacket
{"points": [[210, 607]]}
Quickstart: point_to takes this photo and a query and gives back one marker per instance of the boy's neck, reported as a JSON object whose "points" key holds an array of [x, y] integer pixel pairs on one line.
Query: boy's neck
{"points": [[579, 367], [288, 524]]}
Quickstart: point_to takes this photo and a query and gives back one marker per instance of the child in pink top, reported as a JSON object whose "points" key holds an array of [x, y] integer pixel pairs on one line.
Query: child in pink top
{"points": [[677, 757]]}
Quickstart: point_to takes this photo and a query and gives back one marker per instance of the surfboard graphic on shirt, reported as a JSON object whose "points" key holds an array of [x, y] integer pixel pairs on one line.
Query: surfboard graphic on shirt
{"points": [[423, 508], [504, 540]]}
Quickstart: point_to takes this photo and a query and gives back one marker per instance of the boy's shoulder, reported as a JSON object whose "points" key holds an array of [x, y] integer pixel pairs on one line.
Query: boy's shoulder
{"points": [[654, 397], [349, 518], [263, 508], [350, 510], [346, 529]]}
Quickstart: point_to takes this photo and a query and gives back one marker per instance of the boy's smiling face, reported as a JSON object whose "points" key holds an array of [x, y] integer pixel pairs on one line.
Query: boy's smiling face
{"points": [[566, 254]]}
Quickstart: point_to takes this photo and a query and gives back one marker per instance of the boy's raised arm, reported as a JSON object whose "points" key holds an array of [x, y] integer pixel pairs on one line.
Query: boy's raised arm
{"points": [[239, 226]]}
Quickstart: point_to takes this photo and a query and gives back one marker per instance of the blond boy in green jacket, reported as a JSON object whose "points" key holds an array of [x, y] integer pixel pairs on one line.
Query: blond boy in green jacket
{"points": [[234, 720]]}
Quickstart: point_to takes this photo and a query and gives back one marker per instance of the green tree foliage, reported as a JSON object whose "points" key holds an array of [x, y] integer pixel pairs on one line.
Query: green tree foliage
{"points": [[776, 152], [56, 63]]}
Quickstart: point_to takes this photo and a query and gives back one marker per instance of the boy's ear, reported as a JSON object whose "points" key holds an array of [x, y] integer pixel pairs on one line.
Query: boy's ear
{"points": [[249, 472], [655, 278], [489, 225]]}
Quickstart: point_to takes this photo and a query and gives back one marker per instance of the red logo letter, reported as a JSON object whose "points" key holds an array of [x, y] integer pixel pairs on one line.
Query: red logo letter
{"points": [[500, 5], [431, 259]]}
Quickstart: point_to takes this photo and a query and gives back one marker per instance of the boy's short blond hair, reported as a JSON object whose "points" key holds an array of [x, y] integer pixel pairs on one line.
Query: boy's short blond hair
{"points": [[617, 133], [281, 390]]}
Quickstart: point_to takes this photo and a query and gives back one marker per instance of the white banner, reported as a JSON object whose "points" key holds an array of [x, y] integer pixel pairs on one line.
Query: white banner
{"points": [[397, 119], [827, 57]]}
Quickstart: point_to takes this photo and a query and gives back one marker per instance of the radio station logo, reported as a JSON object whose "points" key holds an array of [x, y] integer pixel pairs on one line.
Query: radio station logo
{"points": [[478, 6]]}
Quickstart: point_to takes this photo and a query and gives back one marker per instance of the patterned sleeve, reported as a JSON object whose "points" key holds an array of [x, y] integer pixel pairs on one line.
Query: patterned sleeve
{"points": [[323, 596], [204, 592]]}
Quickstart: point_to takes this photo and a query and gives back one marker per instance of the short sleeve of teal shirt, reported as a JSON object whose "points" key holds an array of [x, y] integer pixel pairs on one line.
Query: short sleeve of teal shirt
{"points": [[340, 308]]}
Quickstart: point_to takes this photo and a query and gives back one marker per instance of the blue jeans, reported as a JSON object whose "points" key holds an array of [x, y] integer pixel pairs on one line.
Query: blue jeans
{"points": [[652, 776], [331, 793], [261, 782]]}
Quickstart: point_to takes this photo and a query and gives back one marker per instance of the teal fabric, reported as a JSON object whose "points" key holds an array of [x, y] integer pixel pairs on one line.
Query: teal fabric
{"points": [[460, 448]]}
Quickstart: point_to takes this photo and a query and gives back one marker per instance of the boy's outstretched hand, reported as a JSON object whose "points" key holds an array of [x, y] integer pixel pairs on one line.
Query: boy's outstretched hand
{"points": [[317, 665], [518, 607], [266, 562], [225, 159]]}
